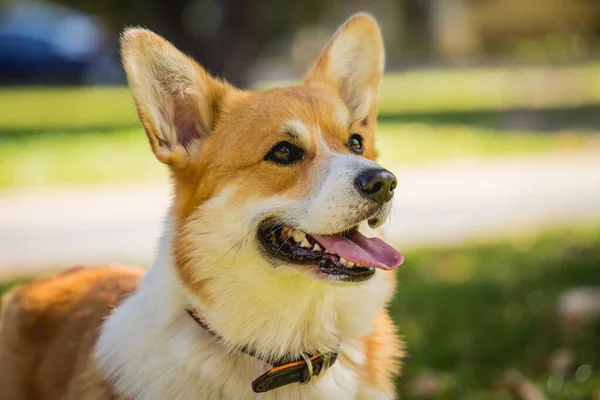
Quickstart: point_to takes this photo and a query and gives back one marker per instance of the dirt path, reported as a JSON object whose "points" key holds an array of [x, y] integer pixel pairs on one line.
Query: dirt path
{"points": [[444, 203]]}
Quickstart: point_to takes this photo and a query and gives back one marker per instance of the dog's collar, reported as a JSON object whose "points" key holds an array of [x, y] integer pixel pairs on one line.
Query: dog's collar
{"points": [[284, 372]]}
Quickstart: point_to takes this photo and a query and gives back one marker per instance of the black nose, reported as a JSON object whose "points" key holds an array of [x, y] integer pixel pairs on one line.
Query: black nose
{"points": [[377, 184]]}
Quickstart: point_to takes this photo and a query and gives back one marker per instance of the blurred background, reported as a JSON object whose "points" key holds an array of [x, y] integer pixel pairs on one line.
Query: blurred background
{"points": [[489, 116]]}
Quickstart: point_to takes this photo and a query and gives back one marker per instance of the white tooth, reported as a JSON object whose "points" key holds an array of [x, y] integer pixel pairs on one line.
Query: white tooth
{"points": [[316, 247], [305, 243], [298, 235], [343, 260], [350, 264]]}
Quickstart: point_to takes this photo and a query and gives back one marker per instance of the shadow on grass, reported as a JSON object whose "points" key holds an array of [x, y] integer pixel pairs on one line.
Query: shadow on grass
{"points": [[475, 312], [522, 119], [13, 134]]}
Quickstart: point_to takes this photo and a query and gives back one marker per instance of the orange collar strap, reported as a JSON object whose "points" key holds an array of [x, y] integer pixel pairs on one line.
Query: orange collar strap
{"points": [[284, 372]]}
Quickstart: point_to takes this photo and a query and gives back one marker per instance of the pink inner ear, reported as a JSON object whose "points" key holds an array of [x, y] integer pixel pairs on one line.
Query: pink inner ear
{"points": [[188, 122]]}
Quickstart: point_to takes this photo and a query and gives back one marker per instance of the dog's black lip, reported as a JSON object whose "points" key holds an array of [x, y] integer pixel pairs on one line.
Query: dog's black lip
{"points": [[324, 262], [358, 274]]}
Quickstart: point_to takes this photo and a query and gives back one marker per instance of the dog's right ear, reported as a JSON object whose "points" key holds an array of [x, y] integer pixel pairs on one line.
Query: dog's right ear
{"points": [[176, 100]]}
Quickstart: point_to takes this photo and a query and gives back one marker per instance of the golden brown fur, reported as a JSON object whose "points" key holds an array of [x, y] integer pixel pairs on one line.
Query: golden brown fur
{"points": [[48, 329]]}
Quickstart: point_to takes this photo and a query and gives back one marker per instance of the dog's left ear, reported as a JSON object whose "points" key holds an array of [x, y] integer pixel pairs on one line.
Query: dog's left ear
{"points": [[352, 63]]}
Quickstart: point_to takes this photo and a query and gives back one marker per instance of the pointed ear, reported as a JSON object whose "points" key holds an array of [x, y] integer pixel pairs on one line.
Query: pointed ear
{"points": [[352, 63], [176, 99]]}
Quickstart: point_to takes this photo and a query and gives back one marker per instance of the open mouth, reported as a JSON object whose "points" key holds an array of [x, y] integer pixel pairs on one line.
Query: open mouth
{"points": [[347, 256]]}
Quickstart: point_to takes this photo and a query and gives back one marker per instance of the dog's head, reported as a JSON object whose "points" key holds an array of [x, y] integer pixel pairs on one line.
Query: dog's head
{"points": [[272, 184]]}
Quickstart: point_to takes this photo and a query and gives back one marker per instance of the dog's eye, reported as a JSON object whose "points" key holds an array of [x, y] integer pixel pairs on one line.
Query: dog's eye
{"points": [[356, 144], [284, 153]]}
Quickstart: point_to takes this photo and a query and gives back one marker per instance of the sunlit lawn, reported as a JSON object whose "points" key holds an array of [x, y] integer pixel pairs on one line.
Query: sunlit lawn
{"points": [[495, 88], [80, 136], [33, 110], [490, 88], [123, 155], [501, 88], [111, 156]]}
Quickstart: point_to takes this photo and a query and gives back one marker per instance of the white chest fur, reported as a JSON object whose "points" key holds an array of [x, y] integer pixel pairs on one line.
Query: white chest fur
{"points": [[149, 348], [184, 362]]}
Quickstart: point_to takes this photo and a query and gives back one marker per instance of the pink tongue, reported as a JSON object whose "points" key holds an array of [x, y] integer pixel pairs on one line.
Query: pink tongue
{"points": [[360, 249]]}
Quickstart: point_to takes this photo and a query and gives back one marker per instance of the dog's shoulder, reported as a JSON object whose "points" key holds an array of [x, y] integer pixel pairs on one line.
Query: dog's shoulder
{"points": [[75, 295], [48, 329]]}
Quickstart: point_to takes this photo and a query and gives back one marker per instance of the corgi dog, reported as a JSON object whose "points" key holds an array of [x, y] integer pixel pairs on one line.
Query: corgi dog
{"points": [[269, 282]]}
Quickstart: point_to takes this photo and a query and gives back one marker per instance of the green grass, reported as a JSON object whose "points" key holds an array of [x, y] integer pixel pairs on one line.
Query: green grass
{"points": [[123, 155], [404, 143], [50, 109], [82, 136], [113, 156], [5, 285], [490, 88], [65, 109], [495, 88], [474, 311]]}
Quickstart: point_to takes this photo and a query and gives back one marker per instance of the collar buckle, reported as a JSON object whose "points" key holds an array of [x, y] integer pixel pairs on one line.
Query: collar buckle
{"points": [[326, 364], [309, 369]]}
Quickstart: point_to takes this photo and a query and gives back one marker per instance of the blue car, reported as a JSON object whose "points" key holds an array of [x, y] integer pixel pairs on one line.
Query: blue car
{"points": [[43, 43]]}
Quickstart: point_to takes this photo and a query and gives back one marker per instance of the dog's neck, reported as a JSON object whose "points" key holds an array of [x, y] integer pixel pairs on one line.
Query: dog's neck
{"points": [[150, 342]]}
